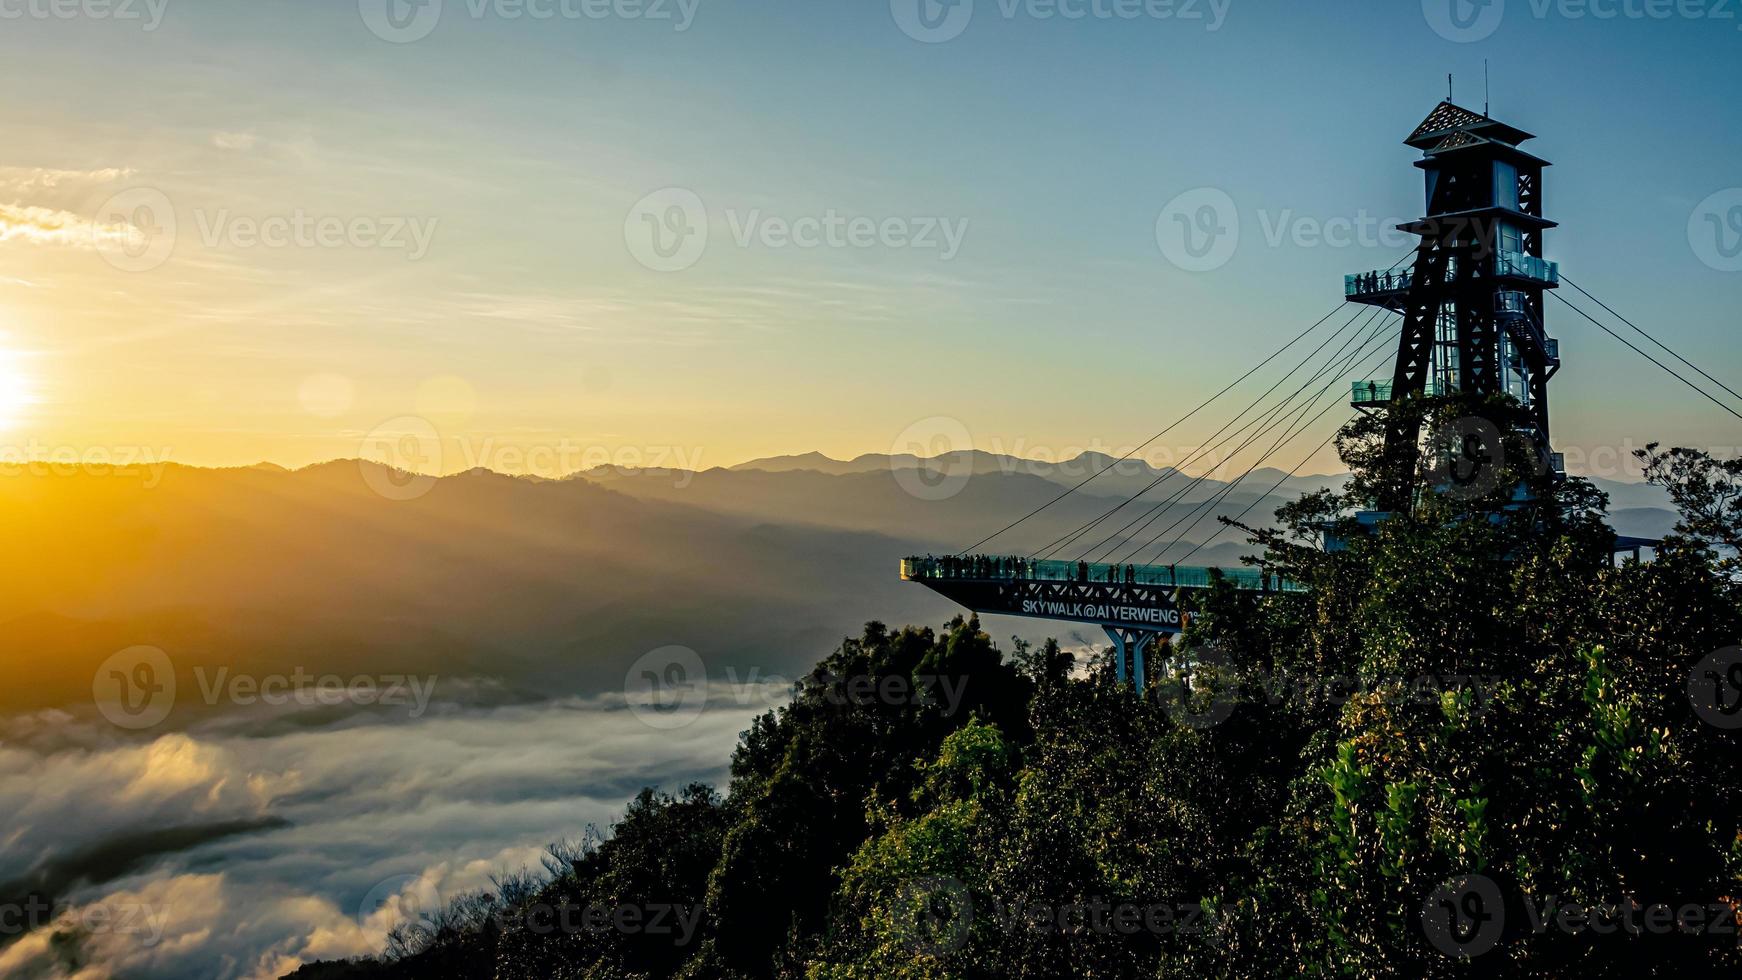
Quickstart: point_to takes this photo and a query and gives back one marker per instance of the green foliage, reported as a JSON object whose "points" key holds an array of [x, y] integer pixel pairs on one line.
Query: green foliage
{"points": [[1471, 688]]}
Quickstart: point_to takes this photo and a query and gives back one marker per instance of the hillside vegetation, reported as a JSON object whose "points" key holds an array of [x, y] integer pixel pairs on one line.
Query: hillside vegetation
{"points": [[1476, 747]]}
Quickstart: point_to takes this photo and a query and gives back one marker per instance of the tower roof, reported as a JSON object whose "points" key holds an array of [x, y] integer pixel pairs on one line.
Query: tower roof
{"points": [[1443, 126]]}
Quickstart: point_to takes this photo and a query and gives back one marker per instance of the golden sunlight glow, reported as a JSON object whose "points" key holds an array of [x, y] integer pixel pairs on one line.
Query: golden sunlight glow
{"points": [[15, 389]]}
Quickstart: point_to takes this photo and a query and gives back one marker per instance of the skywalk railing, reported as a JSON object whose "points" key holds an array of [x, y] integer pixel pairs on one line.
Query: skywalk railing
{"points": [[1002, 568]]}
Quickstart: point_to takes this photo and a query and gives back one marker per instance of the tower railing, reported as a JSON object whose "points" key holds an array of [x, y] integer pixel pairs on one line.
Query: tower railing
{"points": [[1362, 284], [1379, 392], [1508, 263]]}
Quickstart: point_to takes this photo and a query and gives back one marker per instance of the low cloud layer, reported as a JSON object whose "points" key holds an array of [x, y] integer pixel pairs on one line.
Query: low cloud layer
{"points": [[251, 844]]}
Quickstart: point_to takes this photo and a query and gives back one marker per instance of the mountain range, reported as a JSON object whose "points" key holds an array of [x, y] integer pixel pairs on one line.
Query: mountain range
{"points": [[558, 585]]}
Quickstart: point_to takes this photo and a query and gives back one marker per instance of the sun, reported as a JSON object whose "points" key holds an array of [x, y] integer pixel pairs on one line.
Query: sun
{"points": [[16, 391]]}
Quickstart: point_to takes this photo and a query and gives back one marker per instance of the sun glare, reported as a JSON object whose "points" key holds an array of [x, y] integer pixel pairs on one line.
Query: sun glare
{"points": [[15, 388]]}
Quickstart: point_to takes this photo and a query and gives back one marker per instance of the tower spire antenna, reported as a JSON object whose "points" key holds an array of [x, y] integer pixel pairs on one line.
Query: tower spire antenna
{"points": [[1449, 87], [1484, 88]]}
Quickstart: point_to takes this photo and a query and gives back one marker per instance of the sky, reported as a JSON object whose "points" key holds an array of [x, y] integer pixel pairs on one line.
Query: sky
{"points": [[293, 231]]}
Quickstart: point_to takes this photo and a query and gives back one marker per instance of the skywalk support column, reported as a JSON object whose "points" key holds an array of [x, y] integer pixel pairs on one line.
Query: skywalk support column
{"points": [[1135, 641], [1118, 653]]}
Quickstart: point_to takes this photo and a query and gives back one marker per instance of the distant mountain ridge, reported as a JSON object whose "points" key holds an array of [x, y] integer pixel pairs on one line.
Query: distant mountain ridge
{"points": [[560, 584]]}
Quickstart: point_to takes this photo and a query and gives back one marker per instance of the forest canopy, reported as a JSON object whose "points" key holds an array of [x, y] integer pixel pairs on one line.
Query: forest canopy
{"points": [[1479, 744]]}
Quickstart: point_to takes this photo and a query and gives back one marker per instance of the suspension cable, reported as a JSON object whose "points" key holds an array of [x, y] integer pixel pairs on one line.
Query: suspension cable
{"points": [[1373, 341], [1171, 426], [1209, 505], [1641, 331], [1278, 485], [1648, 357], [1265, 421], [1078, 532]]}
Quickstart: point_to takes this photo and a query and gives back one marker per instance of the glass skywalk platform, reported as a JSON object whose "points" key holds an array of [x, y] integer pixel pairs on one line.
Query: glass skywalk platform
{"points": [[986, 568]]}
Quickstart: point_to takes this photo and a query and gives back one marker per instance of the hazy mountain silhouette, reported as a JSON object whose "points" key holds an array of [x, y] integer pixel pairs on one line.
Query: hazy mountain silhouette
{"points": [[551, 585]]}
